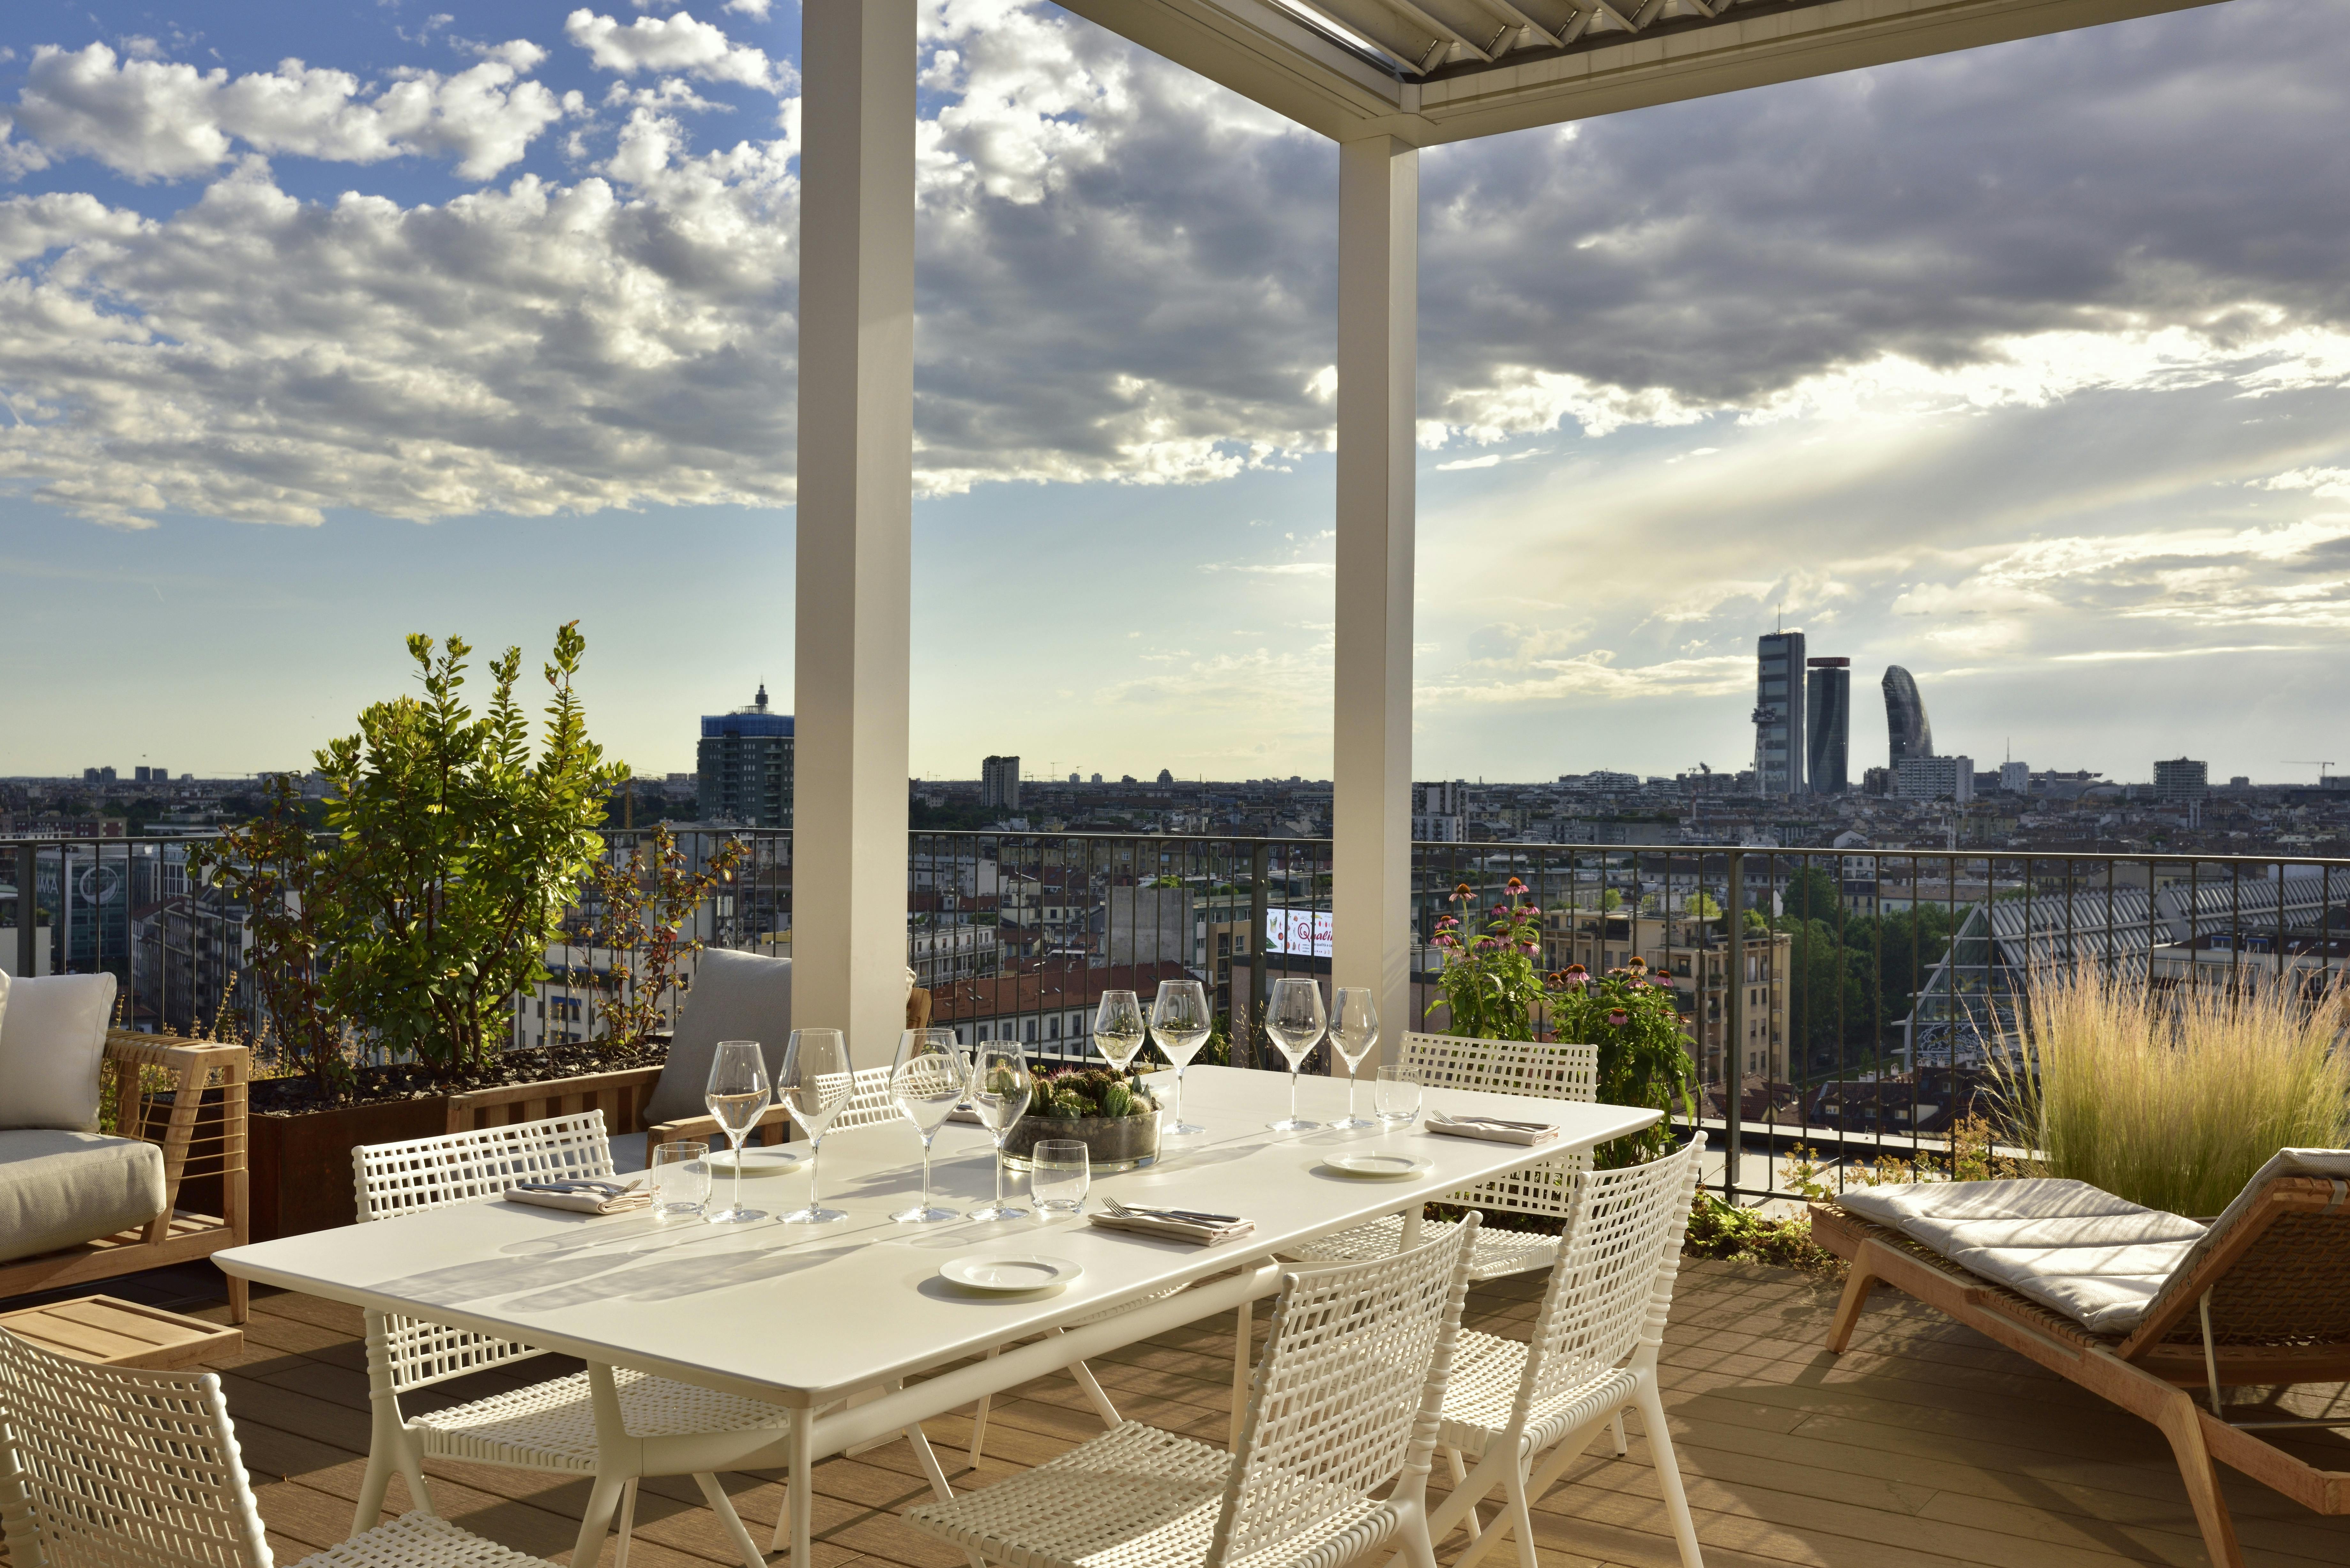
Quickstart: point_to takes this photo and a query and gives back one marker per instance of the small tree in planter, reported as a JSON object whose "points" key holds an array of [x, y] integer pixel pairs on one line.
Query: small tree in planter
{"points": [[1644, 1059], [1490, 983], [459, 850], [646, 904]]}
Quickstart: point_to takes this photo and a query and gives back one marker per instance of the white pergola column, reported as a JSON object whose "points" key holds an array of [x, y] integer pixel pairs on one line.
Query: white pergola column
{"points": [[855, 521], [1379, 318]]}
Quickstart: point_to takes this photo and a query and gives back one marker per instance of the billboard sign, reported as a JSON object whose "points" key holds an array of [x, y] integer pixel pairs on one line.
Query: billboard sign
{"points": [[1302, 932]]}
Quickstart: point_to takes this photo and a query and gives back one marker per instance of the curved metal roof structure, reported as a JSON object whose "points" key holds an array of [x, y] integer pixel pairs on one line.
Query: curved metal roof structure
{"points": [[1429, 72]]}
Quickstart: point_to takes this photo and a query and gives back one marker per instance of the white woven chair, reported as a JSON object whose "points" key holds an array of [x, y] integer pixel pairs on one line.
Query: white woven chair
{"points": [[101, 1465], [549, 1426], [1545, 1069], [1525, 1411], [1344, 1402]]}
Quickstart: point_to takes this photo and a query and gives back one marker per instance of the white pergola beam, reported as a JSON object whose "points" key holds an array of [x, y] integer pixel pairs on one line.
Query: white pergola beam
{"points": [[854, 615], [1241, 44], [1379, 321]]}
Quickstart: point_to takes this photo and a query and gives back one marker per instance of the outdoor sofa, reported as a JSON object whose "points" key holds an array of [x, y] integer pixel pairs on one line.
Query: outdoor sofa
{"points": [[2136, 1305]]}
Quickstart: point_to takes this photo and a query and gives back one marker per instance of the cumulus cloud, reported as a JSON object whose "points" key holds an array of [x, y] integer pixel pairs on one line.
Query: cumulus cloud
{"points": [[152, 118], [677, 43]]}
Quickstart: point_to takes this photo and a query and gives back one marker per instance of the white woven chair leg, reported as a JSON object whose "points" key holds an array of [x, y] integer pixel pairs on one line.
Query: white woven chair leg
{"points": [[728, 1519], [603, 1498], [627, 1525], [1459, 1476], [412, 1469], [1616, 1424], [372, 1487], [1520, 1516], [1242, 1333], [1669, 1471]]}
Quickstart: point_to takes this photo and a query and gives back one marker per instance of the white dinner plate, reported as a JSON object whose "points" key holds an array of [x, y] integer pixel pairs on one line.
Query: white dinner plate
{"points": [[1385, 1167], [757, 1163], [1008, 1273]]}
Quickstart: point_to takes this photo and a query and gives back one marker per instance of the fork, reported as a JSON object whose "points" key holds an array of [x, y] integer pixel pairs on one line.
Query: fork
{"points": [[1194, 1215]]}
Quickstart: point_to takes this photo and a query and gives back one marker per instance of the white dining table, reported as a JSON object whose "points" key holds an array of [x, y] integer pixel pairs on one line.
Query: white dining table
{"points": [[805, 1316]]}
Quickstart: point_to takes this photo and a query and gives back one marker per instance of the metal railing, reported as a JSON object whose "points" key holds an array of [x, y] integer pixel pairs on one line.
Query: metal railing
{"points": [[1842, 1006]]}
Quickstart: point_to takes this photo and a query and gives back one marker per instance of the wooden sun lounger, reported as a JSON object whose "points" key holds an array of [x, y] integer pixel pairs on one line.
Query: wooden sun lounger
{"points": [[2278, 1285]]}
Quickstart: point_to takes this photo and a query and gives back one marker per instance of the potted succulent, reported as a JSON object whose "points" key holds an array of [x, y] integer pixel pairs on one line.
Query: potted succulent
{"points": [[1115, 1118]]}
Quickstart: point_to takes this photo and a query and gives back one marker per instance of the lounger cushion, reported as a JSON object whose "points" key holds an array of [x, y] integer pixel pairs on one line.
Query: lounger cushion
{"points": [[735, 996], [60, 1188], [2069, 1246]]}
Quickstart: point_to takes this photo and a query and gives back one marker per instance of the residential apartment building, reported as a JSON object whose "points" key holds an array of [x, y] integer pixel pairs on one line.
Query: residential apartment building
{"points": [[744, 766], [999, 783], [1935, 778], [1693, 957], [2182, 778]]}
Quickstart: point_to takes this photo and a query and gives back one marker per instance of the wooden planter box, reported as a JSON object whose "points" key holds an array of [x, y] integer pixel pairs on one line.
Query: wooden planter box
{"points": [[302, 1159]]}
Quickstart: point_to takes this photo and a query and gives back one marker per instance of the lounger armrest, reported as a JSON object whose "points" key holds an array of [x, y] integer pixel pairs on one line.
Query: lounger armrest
{"points": [[186, 1069], [775, 1126]]}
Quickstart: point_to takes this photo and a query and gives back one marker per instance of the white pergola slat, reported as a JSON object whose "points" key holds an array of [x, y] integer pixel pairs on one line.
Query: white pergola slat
{"points": [[1383, 78]]}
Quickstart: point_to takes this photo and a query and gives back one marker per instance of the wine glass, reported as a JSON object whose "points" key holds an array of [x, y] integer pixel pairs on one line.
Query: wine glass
{"points": [[1294, 1018], [1118, 1029], [927, 1081], [1000, 1089], [737, 1095], [814, 1084], [1354, 1033], [1180, 1024]]}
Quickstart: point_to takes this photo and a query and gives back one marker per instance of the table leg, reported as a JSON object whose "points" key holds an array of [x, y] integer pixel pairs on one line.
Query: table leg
{"points": [[802, 1487], [1411, 1218]]}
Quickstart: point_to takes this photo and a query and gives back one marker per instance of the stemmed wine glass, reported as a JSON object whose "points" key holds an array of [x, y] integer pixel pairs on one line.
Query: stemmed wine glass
{"points": [[1000, 1088], [737, 1095], [1118, 1029], [927, 1081], [816, 1082], [1354, 1033], [1294, 1018], [1180, 1024]]}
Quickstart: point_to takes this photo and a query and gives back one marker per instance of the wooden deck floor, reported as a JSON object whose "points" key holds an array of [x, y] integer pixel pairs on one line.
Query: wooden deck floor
{"points": [[1924, 1445]]}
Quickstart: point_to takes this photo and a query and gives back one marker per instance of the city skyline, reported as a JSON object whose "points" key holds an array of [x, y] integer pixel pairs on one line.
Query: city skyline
{"points": [[2093, 489]]}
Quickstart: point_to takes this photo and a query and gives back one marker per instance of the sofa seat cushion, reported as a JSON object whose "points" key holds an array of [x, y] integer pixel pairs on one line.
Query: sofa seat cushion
{"points": [[2075, 1248], [59, 1188]]}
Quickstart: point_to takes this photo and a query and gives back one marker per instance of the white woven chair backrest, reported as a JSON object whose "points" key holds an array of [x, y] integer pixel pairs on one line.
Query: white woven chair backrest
{"points": [[1545, 1069], [869, 1101], [1355, 1361], [1613, 1281], [108, 1467], [418, 1174]]}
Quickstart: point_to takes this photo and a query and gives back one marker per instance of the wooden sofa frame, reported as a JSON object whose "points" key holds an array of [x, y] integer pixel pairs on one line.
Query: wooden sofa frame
{"points": [[2269, 1304], [196, 1145]]}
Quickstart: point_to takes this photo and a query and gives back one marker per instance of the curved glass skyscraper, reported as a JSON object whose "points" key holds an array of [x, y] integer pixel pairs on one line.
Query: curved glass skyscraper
{"points": [[1827, 723], [1912, 736]]}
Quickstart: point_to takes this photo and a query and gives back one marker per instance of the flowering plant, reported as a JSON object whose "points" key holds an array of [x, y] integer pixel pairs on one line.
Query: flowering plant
{"points": [[1644, 1059], [1490, 983]]}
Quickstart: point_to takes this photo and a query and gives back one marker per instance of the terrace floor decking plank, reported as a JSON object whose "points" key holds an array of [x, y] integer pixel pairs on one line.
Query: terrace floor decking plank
{"points": [[1925, 1446]]}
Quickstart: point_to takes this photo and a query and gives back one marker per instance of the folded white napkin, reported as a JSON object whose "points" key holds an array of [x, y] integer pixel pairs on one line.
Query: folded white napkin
{"points": [[585, 1197], [1469, 1127], [1206, 1234]]}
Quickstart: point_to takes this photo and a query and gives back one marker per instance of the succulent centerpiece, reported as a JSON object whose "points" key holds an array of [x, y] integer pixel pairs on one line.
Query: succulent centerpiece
{"points": [[1114, 1116]]}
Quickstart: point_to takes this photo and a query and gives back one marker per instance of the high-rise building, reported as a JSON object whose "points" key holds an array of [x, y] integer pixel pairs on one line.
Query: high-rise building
{"points": [[743, 766], [1779, 713], [2015, 778], [999, 783], [1935, 778], [2181, 779], [1827, 721], [1909, 732]]}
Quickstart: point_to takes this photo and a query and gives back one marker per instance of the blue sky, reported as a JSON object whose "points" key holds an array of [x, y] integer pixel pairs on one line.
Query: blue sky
{"points": [[2024, 368]]}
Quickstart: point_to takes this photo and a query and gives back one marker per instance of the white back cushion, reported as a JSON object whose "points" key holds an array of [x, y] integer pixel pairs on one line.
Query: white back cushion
{"points": [[735, 996], [52, 1034]]}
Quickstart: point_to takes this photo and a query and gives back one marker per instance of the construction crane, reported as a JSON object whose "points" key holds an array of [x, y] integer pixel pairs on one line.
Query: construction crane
{"points": [[2311, 763]]}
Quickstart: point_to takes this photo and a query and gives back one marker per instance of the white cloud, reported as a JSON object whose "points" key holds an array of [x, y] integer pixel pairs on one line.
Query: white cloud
{"points": [[151, 118], [2321, 482], [677, 43]]}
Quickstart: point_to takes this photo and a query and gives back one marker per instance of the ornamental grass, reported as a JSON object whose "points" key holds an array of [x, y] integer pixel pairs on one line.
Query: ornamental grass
{"points": [[2174, 1098]]}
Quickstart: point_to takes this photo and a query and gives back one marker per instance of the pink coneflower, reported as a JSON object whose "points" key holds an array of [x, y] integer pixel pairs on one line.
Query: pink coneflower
{"points": [[1618, 1019]]}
